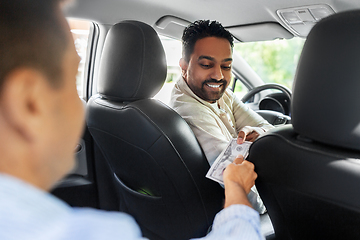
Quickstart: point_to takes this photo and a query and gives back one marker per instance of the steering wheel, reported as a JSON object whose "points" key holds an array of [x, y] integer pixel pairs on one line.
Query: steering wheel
{"points": [[258, 89], [273, 117]]}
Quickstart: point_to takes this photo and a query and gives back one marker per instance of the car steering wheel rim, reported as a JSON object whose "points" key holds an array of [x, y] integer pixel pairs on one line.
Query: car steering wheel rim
{"points": [[258, 89]]}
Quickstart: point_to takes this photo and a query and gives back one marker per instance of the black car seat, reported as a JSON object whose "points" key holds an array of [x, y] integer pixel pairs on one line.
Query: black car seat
{"points": [[148, 161], [309, 173]]}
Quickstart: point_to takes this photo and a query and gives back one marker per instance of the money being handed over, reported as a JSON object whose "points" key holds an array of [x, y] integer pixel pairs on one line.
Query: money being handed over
{"points": [[226, 157]]}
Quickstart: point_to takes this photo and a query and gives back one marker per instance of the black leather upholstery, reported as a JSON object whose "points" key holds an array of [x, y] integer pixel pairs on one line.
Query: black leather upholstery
{"points": [[326, 89], [148, 160], [133, 63], [309, 173]]}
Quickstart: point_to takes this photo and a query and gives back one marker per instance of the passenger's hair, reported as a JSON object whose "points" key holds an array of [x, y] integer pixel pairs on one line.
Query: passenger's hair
{"points": [[202, 29], [32, 35]]}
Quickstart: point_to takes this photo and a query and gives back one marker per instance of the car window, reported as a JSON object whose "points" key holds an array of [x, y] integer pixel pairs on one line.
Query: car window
{"points": [[172, 50], [274, 61], [80, 30], [239, 88]]}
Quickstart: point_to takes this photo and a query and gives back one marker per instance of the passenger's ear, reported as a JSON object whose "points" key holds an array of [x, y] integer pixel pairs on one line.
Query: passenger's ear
{"points": [[23, 101], [184, 66]]}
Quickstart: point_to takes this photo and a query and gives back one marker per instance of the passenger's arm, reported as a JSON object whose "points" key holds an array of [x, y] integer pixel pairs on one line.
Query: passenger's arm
{"points": [[238, 220], [239, 177]]}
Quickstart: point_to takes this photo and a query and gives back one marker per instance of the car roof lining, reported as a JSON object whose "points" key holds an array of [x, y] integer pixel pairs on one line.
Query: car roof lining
{"points": [[245, 15], [174, 26]]}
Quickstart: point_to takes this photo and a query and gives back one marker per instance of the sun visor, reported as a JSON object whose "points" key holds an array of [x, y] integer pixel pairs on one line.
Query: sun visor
{"points": [[300, 20], [171, 26], [259, 32]]}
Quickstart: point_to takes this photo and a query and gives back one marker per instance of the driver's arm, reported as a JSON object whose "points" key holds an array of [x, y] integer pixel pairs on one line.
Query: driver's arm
{"points": [[245, 116]]}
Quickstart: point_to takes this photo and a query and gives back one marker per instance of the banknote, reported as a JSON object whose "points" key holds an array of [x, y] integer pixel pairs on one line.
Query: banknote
{"points": [[225, 158]]}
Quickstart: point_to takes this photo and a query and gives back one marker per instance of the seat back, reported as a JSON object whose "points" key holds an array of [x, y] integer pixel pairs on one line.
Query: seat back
{"points": [[148, 161], [309, 172]]}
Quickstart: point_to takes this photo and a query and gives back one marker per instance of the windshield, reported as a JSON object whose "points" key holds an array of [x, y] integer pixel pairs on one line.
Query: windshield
{"points": [[274, 61]]}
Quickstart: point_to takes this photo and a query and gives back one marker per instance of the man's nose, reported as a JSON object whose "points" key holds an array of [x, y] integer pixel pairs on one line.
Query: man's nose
{"points": [[217, 73]]}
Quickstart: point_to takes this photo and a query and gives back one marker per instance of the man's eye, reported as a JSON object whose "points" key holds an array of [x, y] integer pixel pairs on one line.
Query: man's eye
{"points": [[205, 65], [226, 67]]}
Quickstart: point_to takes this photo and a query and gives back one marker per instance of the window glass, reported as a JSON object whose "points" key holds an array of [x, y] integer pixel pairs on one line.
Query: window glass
{"points": [[240, 89], [80, 30], [274, 61], [172, 50]]}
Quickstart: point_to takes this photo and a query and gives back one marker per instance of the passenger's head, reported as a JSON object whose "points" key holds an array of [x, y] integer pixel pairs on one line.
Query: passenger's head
{"points": [[33, 36], [41, 115], [207, 59], [201, 29]]}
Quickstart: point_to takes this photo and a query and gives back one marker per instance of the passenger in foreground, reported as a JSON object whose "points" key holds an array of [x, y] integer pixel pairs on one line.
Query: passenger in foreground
{"points": [[41, 120]]}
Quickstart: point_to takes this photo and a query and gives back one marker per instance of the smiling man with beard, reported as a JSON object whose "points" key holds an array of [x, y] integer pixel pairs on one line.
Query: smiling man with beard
{"points": [[201, 96]]}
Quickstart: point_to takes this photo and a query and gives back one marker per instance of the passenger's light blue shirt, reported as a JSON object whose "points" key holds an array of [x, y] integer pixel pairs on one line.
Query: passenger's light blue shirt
{"points": [[30, 213]]}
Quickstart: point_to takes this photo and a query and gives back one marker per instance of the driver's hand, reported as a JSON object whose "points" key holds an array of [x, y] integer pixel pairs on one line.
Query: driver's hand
{"points": [[248, 133]]}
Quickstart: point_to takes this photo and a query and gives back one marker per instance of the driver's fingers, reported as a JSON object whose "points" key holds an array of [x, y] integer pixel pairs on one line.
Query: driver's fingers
{"points": [[251, 137], [241, 137], [243, 133]]}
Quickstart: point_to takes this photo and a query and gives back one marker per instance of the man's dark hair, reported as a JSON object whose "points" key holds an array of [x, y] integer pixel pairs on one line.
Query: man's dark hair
{"points": [[202, 29], [32, 35]]}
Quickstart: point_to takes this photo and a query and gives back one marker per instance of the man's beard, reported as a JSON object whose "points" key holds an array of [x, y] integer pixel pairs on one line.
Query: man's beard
{"points": [[210, 96]]}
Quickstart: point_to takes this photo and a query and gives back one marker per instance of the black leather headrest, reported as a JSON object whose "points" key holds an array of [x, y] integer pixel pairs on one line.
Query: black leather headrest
{"points": [[326, 103], [133, 63]]}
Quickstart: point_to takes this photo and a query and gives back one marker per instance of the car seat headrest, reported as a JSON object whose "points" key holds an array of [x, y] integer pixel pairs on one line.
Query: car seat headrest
{"points": [[326, 104], [133, 63]]}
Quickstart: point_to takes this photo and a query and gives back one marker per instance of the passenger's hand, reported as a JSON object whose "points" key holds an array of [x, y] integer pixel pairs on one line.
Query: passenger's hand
{"points": [[241, 172], [239, 177], [248, 133]]}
